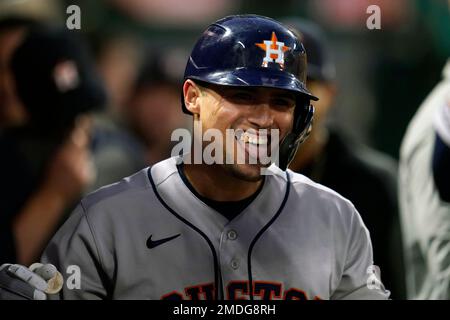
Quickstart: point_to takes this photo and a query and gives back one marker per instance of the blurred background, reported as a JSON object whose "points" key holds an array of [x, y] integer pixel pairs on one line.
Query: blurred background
{"points": [[139, 49]]}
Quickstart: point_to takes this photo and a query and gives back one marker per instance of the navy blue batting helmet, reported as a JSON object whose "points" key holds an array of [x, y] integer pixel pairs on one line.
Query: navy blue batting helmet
{"points": [[255, 51]]}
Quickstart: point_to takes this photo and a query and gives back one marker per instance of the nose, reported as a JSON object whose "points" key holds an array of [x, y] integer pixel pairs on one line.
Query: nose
{"points": [[261, 116]]}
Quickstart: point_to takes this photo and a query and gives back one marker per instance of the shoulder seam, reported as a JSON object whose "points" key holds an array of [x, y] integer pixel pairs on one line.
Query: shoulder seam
{"points": [[95, 193], [162, 181], [326, 189]]}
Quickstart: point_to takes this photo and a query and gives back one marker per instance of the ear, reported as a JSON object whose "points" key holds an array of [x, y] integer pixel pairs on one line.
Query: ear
{"points": [[191, 93]]}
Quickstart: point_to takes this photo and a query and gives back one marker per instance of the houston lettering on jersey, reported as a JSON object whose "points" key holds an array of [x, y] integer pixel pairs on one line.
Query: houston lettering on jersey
{"points": [[239, 290]]}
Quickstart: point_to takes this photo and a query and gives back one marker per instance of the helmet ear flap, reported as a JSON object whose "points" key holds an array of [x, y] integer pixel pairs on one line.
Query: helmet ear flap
{"points": [[306, 123], [303, 119], [288, 147], [303, 115]]}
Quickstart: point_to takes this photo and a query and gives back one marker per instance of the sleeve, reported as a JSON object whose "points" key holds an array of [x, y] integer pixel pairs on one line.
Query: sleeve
{"points": [[360, 279], [74, 252], [441, 152]]}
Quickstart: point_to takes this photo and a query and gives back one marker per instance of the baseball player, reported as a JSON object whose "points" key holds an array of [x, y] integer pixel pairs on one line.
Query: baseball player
{"points": [[186, 230]]}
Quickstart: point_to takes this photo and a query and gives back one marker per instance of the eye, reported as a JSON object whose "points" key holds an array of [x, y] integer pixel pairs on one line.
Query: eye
{"points": [[241, 97], [283, 102]]}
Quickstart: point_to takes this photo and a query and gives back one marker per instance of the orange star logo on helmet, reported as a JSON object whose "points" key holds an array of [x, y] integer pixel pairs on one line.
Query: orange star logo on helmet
{"points": [[274, 51]]}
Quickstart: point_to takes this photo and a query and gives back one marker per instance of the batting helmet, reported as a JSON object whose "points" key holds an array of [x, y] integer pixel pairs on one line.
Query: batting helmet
{"points": [[255, 51]]}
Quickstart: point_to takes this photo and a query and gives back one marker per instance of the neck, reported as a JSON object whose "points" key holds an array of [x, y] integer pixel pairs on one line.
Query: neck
{"points": [[156, 152], [215, 183]]}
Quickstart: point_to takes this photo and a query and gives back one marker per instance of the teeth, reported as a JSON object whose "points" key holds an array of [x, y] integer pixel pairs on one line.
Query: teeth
{"points": [[253, 139]]}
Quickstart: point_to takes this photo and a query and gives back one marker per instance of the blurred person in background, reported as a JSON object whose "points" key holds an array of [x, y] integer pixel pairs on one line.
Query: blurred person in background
{"points": [[119, 56], [424, 195], [12, 112], [46, 163], [424, 175], [367, 177], [152, 111], [118, 153], [59, 155]]}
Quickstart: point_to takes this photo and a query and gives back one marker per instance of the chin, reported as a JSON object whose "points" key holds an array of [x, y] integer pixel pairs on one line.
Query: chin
{"points": [[246, 172]]}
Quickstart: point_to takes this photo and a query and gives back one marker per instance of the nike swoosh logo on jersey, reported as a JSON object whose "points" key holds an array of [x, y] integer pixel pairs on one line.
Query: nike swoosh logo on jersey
{"points": [[154, 243]]}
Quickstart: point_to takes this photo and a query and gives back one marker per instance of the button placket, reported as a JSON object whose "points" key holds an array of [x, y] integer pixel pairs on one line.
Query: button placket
{"points": [[232, 235], [232, 256], [234, 263]]}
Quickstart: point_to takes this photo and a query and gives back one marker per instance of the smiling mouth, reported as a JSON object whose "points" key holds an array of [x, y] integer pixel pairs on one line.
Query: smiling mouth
{"points": [[251, 138], [255, 146]]}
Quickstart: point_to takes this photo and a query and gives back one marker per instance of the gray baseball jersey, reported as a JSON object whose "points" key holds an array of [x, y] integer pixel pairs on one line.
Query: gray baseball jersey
{"points": [[149, 237]]}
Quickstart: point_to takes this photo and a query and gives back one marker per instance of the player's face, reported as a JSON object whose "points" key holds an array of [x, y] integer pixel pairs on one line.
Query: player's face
{"points": [[241, 109]]}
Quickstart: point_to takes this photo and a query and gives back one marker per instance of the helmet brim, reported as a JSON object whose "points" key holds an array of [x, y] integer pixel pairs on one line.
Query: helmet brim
{"points": [[246, 77]]}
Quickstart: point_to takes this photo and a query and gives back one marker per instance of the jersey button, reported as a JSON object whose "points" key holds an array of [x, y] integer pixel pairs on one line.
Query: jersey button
{"points": [[234, 264], [232, 235]]}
